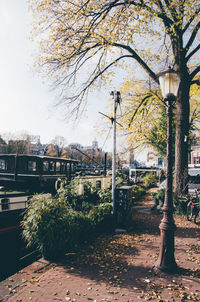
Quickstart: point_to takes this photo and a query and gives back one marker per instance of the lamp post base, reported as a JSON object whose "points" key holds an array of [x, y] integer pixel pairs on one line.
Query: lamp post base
{"points": [[166, 261]]}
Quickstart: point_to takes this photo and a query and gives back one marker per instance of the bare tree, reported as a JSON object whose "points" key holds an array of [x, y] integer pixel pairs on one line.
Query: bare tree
{"points": [[59, 143], [17, 143]]}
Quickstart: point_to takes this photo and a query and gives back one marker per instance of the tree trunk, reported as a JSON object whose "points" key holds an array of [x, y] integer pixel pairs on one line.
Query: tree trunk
{"points": [[182, 133]]}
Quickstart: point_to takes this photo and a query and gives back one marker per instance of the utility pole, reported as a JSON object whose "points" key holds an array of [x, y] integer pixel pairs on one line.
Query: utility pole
{"points": [[116, 96], [105, 163]]}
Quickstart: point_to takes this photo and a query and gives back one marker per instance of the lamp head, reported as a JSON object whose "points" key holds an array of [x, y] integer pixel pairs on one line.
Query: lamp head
{"points": [[169, 82]]}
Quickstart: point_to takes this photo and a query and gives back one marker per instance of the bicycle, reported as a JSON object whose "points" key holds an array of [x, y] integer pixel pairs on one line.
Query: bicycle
{"points": [[193, 208]]}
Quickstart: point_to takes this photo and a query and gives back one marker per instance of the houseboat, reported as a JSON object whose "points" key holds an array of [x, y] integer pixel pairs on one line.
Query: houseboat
{"points": [[34, 173], [23, 175]]}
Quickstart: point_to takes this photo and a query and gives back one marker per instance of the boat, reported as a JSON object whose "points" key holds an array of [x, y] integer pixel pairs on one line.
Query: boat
{"points": [[34, 173], [12, 206], [21, 176]]}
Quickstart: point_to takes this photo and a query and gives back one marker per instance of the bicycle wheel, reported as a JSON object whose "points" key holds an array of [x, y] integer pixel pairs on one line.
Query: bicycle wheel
{"points": [[197, 218], [189, 210]]}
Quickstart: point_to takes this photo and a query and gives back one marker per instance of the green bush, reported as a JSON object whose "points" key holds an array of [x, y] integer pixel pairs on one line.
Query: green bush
{"points": [[180, 205], [138, 191], [149, 180], [101, 217], [60, 224], [68, 194], [105, 195], [159, 197], [51, 227]]}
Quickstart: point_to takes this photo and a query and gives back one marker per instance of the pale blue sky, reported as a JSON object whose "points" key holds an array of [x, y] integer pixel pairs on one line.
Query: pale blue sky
{"points": [[27, 103]]}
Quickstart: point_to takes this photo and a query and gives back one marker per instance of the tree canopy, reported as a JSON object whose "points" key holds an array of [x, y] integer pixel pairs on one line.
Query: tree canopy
{"points": [[100, 34], [82, 41], [144, 116]]}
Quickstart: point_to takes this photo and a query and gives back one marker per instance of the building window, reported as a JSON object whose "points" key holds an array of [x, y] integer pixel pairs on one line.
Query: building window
{"points": [[31, 166], [2, 164], [5, 204]]}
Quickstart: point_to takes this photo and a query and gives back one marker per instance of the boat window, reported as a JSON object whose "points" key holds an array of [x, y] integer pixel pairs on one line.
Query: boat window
{"points": [[68, 166], [32, 165], [98, 184], [72, 167], [45, 166], [2, 164], [5, 204], [52, 166], [57, 166], [62, 168]]}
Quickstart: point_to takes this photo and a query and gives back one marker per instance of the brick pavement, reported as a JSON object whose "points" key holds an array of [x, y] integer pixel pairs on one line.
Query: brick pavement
{"points": [[116, 268]]}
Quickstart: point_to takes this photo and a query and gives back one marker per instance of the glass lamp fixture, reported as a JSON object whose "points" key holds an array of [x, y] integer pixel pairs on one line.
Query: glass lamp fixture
{"points": [[169, 82]]}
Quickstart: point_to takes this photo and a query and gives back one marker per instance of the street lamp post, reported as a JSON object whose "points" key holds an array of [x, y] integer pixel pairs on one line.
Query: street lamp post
{"points": [[169, 82]]}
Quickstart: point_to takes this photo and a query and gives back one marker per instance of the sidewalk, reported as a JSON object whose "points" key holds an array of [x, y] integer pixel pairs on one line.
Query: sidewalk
{"points": [[115, 268]]}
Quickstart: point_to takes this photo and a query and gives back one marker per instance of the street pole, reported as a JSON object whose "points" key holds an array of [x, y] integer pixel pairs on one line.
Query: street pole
{"points": [[105, 163], [166, 261], [116, 95]]}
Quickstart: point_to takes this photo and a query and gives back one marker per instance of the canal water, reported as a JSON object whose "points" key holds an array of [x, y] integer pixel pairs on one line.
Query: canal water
{"points": [[12, 251]]}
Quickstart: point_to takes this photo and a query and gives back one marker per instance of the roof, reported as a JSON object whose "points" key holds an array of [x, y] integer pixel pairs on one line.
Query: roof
{"points": [[39, 156]]}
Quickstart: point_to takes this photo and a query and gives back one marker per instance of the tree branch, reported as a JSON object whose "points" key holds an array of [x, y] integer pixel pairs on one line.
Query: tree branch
{"points": [[192, 53], [194, 73], [94, 78], [197, 82], [138, 107], [138, 59], [192, 37], [191, 20]]}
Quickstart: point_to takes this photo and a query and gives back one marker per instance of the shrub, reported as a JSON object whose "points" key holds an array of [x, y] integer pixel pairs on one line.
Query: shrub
{"points": [[101, 217], [105, 195], [159, 197], [138, 191], [180, 205], [119, 175], [68, 194], [57, 225], [149, 180], [90, 193], [51, 227]]}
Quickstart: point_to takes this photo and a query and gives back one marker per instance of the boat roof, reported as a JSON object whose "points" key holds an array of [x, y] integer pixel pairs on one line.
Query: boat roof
{"points": [[40, 156]]}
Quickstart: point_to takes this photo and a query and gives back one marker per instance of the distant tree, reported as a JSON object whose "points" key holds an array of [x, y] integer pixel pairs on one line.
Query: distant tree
{"points": [[17, 143], [3, 146], [59, 143], [51, 151]]}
